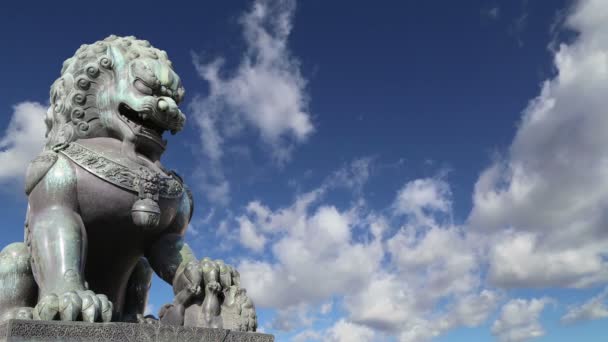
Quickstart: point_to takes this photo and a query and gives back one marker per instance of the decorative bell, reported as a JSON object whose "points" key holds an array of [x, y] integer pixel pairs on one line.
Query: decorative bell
{"points": [[146, 213]]}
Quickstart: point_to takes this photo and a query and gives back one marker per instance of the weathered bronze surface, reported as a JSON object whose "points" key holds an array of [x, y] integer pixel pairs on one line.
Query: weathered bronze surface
{"points": [[104, 212]]}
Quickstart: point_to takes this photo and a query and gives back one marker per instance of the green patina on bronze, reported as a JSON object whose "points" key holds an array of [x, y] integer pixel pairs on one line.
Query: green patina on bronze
{"points": [[104, 213]]}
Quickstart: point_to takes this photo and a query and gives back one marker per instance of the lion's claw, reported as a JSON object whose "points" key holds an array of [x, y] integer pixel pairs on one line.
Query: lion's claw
{"points": [[47, 308], [83, 306], [195, 290], [106, 308], [70, 306], [214, 287]]}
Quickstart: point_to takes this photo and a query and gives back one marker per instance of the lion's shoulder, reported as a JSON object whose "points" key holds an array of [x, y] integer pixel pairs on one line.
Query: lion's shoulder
{"points": [[38, 168]]}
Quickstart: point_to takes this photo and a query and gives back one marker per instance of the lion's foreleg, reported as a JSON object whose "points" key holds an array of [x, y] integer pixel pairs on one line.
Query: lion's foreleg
{"points": [[169, 256], [58, 244]]}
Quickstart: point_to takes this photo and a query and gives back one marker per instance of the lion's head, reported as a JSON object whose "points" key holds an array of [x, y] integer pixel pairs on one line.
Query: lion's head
{"points": [[119, 87]]}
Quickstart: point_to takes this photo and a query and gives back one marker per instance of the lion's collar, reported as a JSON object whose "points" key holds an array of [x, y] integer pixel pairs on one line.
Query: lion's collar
{"points": [[138, 180]]}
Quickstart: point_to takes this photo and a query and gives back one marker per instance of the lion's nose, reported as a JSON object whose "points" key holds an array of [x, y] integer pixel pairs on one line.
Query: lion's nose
{"points": [[163, 106], [169, 107]]}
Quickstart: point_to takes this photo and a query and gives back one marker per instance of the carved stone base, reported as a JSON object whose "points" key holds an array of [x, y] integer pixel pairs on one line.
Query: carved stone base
{"points": [[43, 331]]}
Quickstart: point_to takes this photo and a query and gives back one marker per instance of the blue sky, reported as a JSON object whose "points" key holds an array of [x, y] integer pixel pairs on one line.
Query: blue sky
{"points": [[399, 171]]}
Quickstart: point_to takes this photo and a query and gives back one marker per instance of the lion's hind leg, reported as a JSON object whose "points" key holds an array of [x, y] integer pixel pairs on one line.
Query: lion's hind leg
{"points": [[18, 289], [136, 297]]}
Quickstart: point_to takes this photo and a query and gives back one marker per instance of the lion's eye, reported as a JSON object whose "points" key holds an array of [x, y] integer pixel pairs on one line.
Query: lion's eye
{"points": [[142, 87]]}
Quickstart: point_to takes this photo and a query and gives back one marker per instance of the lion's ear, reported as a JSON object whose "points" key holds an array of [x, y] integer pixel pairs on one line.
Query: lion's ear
{"points": [[60, 90]]}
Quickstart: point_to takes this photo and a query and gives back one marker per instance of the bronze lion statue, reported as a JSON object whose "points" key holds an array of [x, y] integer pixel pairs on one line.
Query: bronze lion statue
{"points": [[104, 213]]}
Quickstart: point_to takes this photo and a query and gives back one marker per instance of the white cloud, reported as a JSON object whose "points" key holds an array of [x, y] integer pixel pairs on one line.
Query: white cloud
{"points": [[419, 197], [344, 331], [352, 176], [416, 281], [292, 217], [341, 331], [307, 336], [472, 310], [594, 308], [432, 267], [326, 308], [408, 271], [387, 303], [441, 254], [266, 92], [316, 258], [293, 317], [519, 258], [22, 140], [213, 183], [551, 192], [519, 320], [249, 237]]}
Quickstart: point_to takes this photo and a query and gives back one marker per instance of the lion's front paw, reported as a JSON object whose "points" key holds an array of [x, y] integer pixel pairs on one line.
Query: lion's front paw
{"points": [[83, 306]]}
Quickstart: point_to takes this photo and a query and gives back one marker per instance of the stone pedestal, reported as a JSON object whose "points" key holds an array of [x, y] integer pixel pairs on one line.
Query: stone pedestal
{"points": [[43, 331]]}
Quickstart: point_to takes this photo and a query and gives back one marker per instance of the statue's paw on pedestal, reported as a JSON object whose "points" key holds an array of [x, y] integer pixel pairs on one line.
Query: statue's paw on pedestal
{"points": [[83, 306], [221, 303]]}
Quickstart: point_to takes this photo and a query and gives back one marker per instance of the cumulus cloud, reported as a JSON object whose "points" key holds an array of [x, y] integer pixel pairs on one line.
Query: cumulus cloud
{"points": [[550, 193], [473, 309], [408, 275], [442, 254], [293, 317], [344, 331], [519, 320], [307, 336], [432, 261], [316, 258], [518, 258], [341, 331], [266, 92], [421, 196], [213, 182], [249, 237], [538, 215], [23, 139], [352, 176], [594, 308]]}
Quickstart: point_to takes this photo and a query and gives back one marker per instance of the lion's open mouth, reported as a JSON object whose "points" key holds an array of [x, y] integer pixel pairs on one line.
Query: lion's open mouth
{"points": [[135, 118]]}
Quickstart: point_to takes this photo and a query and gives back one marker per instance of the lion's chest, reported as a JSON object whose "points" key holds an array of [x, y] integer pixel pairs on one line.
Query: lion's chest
{"points": [[106, 209]]}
